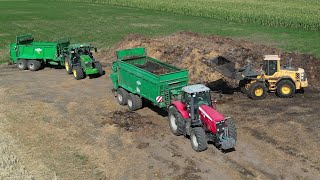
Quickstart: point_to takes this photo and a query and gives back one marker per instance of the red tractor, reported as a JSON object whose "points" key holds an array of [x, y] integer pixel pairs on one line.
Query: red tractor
{"points": [[194, 115]]}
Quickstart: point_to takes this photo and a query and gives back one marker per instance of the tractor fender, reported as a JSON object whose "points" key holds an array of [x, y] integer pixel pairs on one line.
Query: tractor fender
{"points": [[181, 108]]}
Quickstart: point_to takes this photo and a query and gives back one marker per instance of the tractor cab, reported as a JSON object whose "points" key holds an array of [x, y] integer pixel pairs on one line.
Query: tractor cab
{"points": [[271, 64], [194, 96]]}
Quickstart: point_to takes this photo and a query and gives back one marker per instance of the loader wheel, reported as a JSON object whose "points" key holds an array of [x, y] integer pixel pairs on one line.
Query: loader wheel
{"points": [[198, 139], [78, 73], [285, 89], [258, 91], [176, 121], [34, 65], [122, 96], [99, 67], [22, 64], [231, 129], [68, 66], [134, 102]]}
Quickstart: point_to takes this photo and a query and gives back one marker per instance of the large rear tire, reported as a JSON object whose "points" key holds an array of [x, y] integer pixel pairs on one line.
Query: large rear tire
{"points": [[68, 65], [122, 96], [198, 139], [134, 102], [258, 91], [176, 121], [285, 89], [34, 65], [78, 72]]}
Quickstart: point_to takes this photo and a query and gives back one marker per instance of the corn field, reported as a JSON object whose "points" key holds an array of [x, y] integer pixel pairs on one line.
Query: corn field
{"points": [[295, 14]]}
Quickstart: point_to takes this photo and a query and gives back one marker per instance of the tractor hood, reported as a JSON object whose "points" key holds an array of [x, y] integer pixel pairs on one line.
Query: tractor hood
{"points": [[86, 58], [210, 113]]}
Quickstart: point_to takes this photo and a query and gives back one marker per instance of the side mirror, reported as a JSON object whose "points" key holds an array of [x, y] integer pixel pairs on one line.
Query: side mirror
{"points": [[95, 49]]}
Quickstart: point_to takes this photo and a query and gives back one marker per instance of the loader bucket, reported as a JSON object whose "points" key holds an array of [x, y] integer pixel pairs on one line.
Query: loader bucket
{"points": [[223, 66]]}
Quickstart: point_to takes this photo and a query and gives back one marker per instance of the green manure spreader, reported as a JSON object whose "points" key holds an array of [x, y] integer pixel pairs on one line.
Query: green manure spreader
{"points": [[32, 55], [191, 110], [76, 58]]}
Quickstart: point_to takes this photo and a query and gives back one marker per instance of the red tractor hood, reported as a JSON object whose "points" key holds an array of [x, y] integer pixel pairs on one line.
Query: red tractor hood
{"points": [[210, 114]]}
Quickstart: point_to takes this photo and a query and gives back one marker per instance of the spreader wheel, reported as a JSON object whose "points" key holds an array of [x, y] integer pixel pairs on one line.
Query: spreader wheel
{"points": [[122, 96], [134, 102], [198, 139], [176, 121], [34, 65], [22, 64]]}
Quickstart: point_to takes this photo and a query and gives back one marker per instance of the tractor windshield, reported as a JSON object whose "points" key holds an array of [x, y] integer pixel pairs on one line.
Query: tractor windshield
{"points": [[203, 98]]}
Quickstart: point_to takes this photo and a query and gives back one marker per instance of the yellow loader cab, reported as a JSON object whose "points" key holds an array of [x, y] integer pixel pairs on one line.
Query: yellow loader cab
{"points": [[283, 80]]}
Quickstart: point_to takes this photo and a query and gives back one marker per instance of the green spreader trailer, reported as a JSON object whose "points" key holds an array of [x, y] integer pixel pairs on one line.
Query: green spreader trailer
{"points": [[28, 54], [135, 76]]}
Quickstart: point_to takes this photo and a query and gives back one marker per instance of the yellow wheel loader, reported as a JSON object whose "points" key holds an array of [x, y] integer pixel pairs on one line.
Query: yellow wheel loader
{"points": [[285, 81]]}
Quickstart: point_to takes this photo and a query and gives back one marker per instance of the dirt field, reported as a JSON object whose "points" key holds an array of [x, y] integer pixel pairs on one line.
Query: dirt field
{"points": [[54, 127]]}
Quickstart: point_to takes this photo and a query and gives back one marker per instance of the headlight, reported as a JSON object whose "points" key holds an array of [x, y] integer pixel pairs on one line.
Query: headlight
{"points": [[303, 76]]}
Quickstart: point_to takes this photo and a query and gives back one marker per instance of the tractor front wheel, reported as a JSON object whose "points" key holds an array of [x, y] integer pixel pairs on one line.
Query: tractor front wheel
{"points": [[22, 64], [134, 102], [232, 130], [34, 65], [175, 121], [285, 89], [122, 96], [99, 67], [258, 91], [198, 139], [78, 72]]}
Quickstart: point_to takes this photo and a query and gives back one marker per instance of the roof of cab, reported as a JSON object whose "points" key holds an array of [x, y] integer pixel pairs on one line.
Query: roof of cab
{"points": [[195, 88]]}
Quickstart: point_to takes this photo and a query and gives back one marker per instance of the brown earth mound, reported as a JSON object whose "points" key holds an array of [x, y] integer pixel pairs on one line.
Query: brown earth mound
{"points": [[192, 51]]}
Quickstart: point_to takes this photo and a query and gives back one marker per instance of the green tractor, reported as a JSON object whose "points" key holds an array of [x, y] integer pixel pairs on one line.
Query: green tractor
{"points": [[80, 62]]}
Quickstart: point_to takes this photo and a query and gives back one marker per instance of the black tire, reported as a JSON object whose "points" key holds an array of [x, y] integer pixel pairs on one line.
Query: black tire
{"points": [[99, 67], [198, 139], [242, 86], [176, 122], [285, 89], [22, 64], [122, 96], [232, 130], [258, 91], [68, 65], [78, 72], [134, 102], [34, 65]]}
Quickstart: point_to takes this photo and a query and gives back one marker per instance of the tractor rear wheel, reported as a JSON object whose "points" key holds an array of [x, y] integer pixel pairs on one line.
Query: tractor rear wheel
{"points": [[232, 130], [198, 139], [285, 89], [122, 96], [68, 65], [134, 102], [99, 67], [258, 91], [176, 121], [22, 64], [78, 72], [34, 65]]}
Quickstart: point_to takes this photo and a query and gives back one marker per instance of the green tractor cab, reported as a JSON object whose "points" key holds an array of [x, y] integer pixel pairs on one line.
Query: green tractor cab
{"points": [[80, 62]]}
